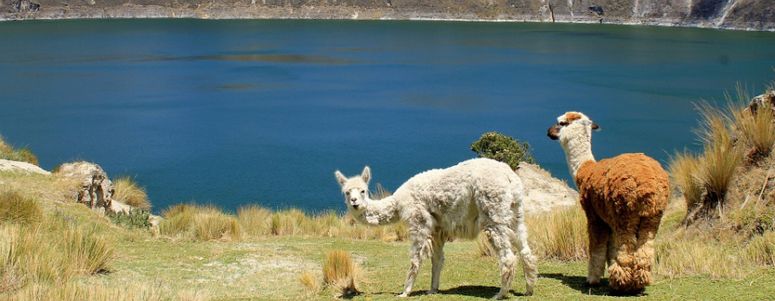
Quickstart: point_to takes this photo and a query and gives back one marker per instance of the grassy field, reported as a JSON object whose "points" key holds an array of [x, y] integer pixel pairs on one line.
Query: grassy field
{"points": [[269, 269], [144, 266]]}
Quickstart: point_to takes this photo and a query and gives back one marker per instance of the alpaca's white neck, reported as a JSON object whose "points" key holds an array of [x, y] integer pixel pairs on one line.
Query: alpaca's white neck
{"points": [[578, 150], [379, 212]]}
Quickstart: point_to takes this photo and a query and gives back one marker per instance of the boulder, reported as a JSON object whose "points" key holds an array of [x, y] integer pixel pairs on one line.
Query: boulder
{"points": [[95, 190], [8, 165], [766, 100], [544, 192]]}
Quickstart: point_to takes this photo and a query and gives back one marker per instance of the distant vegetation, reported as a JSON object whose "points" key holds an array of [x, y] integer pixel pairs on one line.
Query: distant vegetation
{"points": [[503, 148]]}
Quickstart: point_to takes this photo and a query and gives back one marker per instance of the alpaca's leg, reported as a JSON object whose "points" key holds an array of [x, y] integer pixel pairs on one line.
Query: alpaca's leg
{"points": [[621, 272], [499, 238], [529, 266], [419, 248], [644, 254], [437, 261], [599, 239]]}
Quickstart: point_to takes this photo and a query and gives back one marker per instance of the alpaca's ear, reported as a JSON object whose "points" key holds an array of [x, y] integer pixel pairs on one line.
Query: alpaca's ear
{"points": [[366, 174], [340, 178], [595, 126]]}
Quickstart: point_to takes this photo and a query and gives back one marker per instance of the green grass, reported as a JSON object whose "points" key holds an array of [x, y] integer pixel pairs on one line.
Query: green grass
{"points": [[268, 267]]}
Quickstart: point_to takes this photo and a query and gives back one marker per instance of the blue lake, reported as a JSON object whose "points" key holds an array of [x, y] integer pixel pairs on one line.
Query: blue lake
{"points": [[238, 112]]}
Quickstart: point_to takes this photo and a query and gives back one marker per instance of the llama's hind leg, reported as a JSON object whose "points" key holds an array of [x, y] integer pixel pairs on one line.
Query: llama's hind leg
{"points": [[529, 266], [599, 242], [621, 273], [499, 238], [644, 253], [437, 261]]}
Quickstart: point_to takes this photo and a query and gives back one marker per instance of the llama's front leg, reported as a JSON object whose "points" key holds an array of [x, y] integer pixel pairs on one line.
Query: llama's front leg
{"points": [[437, 260], [599, 235], [499, 238], [418, 248]]}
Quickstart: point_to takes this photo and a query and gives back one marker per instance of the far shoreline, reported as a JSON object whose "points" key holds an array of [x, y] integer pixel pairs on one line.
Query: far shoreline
{"points": [[132, 12]]}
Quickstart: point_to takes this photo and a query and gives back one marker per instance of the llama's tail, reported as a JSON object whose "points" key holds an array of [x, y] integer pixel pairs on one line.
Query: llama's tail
{"points": [[630, 271]]}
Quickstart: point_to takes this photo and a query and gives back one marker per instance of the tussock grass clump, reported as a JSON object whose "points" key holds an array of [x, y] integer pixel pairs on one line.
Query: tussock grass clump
{"points": [[756, 128], [254, 220], [127, 191], [340, 272], [761, 249], [310, 282], [8, 152], [560, 234], [684, 167], [51, 253], [199, 223], [15, 208]]}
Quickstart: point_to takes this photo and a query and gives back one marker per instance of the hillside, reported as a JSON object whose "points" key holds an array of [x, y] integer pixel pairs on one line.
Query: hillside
{"points": [[730, 14]]}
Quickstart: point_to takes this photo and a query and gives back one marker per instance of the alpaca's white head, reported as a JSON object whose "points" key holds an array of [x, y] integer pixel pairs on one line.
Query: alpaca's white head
{"points": [[355, 189], [572, 125], [574, 131]]}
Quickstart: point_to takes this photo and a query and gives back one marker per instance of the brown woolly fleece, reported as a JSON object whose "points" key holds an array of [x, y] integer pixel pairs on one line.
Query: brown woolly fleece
{"points": [[624, 198]]}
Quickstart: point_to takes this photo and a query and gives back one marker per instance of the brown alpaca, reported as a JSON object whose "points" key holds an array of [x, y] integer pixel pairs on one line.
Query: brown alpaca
{"points": [[623, 197]]}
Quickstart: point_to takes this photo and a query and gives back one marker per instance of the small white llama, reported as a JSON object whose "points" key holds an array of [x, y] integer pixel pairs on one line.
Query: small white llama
{"points": [[457, 202]]}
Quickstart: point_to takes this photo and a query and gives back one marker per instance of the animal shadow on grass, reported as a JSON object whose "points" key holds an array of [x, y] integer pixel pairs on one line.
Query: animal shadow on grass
{"points": [[484, 292], [579, 283]]}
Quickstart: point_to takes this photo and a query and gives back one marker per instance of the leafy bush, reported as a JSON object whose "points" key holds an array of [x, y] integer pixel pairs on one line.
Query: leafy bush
{"points": [[135, 218], [503, 148]]}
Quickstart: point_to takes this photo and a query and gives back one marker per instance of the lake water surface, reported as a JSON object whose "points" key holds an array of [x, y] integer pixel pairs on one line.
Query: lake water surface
{"points": [[237, 112]]}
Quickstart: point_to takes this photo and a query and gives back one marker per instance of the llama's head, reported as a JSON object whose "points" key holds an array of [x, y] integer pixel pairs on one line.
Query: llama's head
{"points": [[355, 189], [571, 125]]}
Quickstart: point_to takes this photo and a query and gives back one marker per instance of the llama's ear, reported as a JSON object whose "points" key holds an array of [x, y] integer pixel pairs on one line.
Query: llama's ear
{"points": [[366, 174], [595, 127], [340, 178]]}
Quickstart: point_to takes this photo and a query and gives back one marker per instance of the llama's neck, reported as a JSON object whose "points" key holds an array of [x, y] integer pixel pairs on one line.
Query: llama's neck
{"points": [[379, 212], [578, 150]]}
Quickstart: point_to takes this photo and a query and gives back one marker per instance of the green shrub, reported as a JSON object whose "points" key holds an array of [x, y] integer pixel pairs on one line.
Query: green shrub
{"points": [[135, 218], [503, 148]]}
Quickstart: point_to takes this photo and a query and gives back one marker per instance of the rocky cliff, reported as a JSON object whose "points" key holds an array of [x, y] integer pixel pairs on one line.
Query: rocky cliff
{"points": [[730, 14]]}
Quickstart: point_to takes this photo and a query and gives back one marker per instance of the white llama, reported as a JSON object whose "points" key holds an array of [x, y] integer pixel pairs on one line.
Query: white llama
{"points": [[456, 202]]}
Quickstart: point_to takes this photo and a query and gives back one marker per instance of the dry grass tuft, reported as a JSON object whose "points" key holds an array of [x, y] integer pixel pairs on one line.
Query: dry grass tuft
{"points": [[255, 220], [560, 234], [8, 152], [310, 282], [683, 171], [73, 291], [720, 157], [756, 129], [128, 192], [340, 272], [761, 249], [199, 223], [15, 208]]}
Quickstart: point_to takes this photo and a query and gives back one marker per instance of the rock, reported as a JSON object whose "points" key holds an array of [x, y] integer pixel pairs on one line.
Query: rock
{"points": [[544, 192], [96, 189], [25, 6], [765, 100], [116, 207], [8, 165]]}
